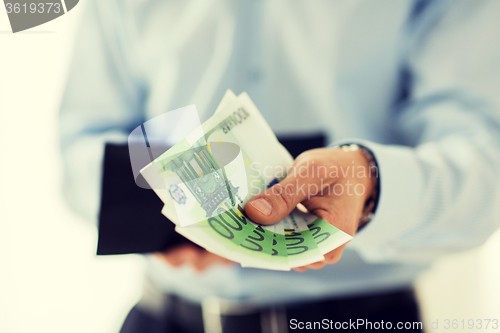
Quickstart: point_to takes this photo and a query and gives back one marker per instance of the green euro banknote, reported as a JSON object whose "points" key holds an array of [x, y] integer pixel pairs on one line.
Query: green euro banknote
{"points": [[232, 157], [300, 245], [213, 172], [268, 249]]}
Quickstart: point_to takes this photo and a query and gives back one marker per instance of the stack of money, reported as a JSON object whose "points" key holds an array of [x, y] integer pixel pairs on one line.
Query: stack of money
{"points": [[211, 174]]}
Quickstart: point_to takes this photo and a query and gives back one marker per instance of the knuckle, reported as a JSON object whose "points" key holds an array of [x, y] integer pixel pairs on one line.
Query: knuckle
{"points": [[318, 265], [333, 260], [300, 269], [304, 154], [333, 257], [332, 217], [285, 194]]}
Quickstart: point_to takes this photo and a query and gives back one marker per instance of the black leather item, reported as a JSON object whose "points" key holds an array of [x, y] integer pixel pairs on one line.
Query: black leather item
{"points": [[296, 145], [392, 307], [130, 219]]}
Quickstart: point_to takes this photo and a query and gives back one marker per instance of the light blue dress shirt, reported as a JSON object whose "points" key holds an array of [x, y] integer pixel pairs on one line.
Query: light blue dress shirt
{"points": [[417, 82]]}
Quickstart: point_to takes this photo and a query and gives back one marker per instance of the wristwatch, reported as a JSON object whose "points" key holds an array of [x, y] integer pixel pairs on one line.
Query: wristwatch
{"points": [[371, 203]]}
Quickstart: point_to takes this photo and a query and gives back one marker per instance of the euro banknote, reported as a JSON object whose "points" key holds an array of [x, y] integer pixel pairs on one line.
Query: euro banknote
{"points": [[214, 171]]}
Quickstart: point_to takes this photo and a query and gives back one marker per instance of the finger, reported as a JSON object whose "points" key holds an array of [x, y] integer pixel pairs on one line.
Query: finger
{"points": [[342, 211], [274, 204], [316, 265], [202, 262], [207, 259], [334, 256], [168, 257], [185, 257], [300, 269], [331, 257], [225, 261], [179, 256]]}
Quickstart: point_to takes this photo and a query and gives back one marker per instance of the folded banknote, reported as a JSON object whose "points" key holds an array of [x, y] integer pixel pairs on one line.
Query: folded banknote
{"points": [[211, 174]]}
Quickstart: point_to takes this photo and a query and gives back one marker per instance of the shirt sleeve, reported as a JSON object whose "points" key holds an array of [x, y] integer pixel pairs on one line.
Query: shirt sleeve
{"points": [[102, 102], [440, 191]]}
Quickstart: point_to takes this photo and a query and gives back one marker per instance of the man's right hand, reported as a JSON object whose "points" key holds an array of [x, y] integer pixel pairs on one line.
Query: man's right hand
{"points": [[187, 254]]}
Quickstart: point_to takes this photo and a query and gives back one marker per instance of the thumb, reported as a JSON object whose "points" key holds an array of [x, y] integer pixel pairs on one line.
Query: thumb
{"points": [[275, 203]]}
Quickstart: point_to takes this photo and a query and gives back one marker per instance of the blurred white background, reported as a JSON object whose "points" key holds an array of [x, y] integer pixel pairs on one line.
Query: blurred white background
{"points": [[50, 279]]}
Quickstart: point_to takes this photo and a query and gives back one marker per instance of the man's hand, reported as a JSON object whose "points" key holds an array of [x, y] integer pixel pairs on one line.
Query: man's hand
{"points": [[200, 259], [331, 183]]}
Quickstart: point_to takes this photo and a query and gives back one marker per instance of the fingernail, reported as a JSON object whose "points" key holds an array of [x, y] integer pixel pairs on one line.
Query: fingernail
{"points": [[263, 206]]}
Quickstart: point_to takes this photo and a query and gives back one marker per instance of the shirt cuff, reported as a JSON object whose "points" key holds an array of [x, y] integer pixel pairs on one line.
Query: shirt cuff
{"points": [[401, 184]]}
